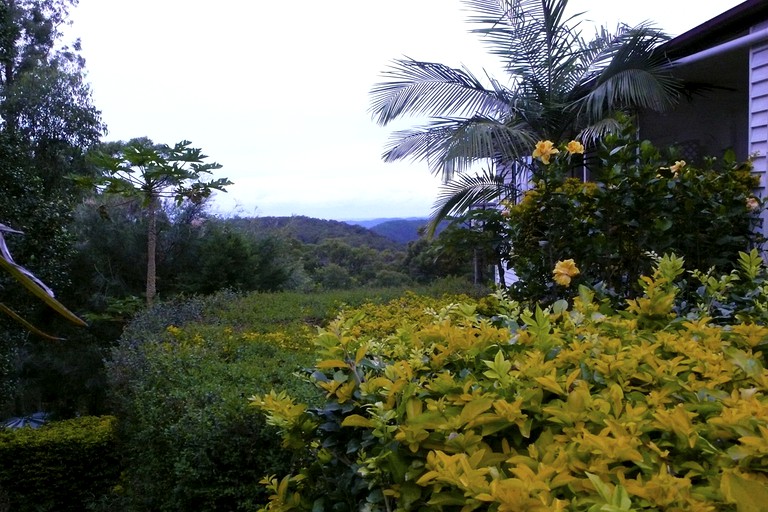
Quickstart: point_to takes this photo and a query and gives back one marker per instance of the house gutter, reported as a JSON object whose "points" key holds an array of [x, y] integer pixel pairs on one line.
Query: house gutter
{"points": [[741, 42]]}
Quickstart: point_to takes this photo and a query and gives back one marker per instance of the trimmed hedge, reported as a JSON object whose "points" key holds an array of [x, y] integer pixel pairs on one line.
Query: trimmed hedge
{"points": [[61, 466]]}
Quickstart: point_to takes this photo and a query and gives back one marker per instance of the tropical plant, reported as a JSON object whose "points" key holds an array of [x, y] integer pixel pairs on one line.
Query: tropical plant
{"points": [[560, 86], [47, 121], [31, 283], [153, 172], [640, 201]]}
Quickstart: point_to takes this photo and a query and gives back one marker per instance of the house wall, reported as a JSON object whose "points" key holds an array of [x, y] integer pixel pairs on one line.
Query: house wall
{"points": [[706, 125], [758, 111]]}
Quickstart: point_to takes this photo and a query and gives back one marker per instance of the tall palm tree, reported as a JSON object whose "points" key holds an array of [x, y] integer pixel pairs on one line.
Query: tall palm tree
{"points": [[560, 86]]}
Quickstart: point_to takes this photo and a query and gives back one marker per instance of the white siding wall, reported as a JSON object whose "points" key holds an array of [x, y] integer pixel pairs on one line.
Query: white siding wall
{"points": [[758, 114]]}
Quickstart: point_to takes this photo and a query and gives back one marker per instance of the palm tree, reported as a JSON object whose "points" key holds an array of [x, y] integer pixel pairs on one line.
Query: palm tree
{"points": [[560, 86]]}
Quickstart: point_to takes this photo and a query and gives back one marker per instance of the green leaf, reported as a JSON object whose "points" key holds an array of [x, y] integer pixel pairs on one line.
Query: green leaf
{"points": [[560, 306], [355, 420], [499, 367], [747, 495]]}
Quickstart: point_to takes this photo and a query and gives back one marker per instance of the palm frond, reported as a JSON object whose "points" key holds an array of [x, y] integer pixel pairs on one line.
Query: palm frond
{"points": [[627, 72], [432, 89], [599, 129], [31, 282], [470, 190], [532, 38], [453, 145]]}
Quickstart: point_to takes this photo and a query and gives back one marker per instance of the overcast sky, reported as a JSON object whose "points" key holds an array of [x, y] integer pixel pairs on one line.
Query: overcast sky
{"points": [[277, 91]]}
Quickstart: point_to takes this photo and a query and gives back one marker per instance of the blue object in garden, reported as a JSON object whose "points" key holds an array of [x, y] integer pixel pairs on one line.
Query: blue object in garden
{"points": [[33, 420]]}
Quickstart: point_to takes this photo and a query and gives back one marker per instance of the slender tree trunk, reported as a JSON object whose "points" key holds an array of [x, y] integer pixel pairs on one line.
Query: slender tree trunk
{"points": [[151, 252], [502, 276]]}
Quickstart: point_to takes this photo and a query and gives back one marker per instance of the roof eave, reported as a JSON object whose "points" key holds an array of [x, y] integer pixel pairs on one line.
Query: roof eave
{"points": [[724, 27]]}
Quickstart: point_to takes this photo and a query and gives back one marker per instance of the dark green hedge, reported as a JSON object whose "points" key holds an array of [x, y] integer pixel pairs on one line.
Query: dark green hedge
{"points": [[61, 466], [179, 385]]}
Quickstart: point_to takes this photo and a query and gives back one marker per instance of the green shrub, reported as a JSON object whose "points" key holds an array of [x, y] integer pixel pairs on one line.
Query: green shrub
{"points": [[61, 466], [637, 202], [740, 295], [575, 407], [177, 382], [190, 441]]}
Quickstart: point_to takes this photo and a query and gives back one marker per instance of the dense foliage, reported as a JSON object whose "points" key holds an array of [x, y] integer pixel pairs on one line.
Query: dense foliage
{"points": [[314, 231], [176, 385], [177, 381], [58, 467], [577, 407], [47, 122], [150, 173], [637, 203]]}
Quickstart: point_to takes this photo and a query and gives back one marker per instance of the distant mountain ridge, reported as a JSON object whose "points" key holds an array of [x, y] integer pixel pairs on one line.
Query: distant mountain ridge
{"points": [[401, 230], [309, 230], [370, 223]]}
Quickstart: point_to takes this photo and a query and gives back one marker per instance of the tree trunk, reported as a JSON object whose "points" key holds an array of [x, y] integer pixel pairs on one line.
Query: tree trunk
{"points": [[151, 252]]}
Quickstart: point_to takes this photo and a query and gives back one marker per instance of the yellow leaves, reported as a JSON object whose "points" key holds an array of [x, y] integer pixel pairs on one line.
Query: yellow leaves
{"points": [[657, 303], [611, 445], [355, 420], [499, 369], [741, 417], [342, 391], [661, 489], [281, 410], [411, 436], [331, 363], [511, 421], [750, 335], [748, 494], [757, 445], [465, 442], [475, 407], [280, 499], [510, 412], [549, 382], [678, 420], [460, 470], [514, 494], [374, 385], [614, 498]]}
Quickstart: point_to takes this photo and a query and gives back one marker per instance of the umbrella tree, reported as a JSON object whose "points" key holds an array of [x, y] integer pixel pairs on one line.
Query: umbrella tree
{"points": [[152, 172]]}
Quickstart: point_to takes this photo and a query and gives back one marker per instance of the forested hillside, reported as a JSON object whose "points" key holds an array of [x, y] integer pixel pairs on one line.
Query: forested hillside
{"points": [[312, 231]]}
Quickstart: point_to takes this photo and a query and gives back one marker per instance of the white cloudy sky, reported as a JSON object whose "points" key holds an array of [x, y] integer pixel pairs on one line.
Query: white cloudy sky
{"points": [[277, 91]]}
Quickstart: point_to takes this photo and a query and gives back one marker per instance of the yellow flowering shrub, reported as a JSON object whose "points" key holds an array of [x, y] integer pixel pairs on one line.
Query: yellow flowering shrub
{"points": [[572, 407], [639, 200]]}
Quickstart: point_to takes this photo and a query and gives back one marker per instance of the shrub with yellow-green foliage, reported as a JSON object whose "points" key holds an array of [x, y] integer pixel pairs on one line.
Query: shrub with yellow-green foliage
{"points": [[178, 375], [378, 320], [575, 407], [61, 466]]}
